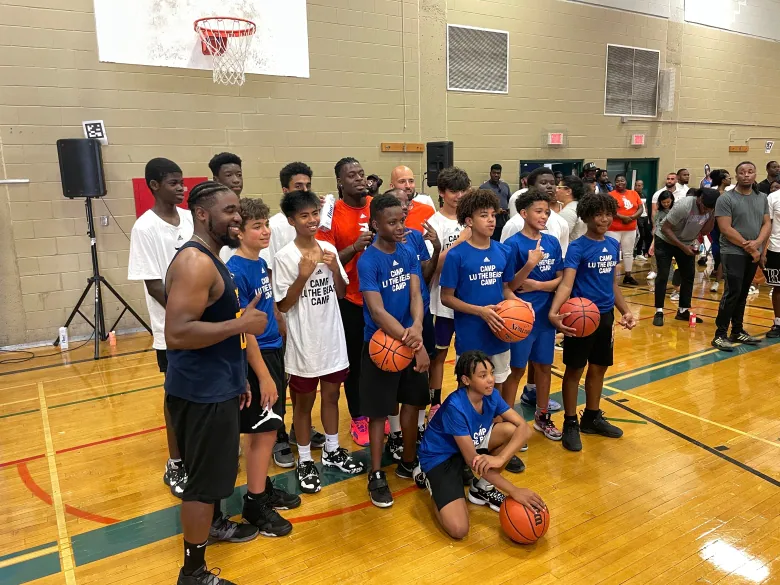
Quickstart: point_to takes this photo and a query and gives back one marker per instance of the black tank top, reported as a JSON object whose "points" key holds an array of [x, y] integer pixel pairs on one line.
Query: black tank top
{"points": [[218, 372]]}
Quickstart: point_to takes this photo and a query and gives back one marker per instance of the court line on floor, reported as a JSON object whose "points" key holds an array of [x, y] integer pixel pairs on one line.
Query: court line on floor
{"points": [[34, 553], [82, 361], [696, 442], [694, 297], [769, 319], [41, 494], [63, 539]]}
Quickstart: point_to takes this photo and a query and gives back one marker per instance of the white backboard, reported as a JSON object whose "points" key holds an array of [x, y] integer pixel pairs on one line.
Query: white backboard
{"points": [[160, 33]]}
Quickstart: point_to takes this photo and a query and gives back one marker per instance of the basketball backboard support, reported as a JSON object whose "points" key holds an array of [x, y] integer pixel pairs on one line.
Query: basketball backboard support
{"points": [[160, 33]]}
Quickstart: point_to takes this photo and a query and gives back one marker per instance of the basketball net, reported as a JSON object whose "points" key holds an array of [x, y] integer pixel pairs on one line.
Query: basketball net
{"points": [[227, 40]]}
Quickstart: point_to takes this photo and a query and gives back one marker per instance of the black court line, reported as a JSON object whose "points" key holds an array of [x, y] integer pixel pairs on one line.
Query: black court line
{"points": [[716, 301], [92, 359], [713, 450]]}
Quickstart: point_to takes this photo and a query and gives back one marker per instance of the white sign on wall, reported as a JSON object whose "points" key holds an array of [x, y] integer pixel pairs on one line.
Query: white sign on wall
{"points": [[161, 33]]}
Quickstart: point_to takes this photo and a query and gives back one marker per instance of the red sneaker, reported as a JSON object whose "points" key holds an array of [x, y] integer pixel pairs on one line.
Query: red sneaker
{"points": [[359, 431]]}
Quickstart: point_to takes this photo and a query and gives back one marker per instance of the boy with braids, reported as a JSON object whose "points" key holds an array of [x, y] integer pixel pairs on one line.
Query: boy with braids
{"points": [[205, 386], [589, 272], [464, 432], [350, 235]]}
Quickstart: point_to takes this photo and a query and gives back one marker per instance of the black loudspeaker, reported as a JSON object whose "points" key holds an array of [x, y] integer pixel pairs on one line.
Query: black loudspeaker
{"points": [[439, 157], [81, 167]]}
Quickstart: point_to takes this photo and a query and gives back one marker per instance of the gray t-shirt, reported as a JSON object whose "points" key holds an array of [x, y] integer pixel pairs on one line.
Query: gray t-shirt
{"points": [[659, 218], [747, 215], [686, 221]]}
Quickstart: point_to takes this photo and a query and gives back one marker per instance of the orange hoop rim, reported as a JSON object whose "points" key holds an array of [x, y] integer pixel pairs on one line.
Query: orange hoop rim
{"points": [[250, 29]]}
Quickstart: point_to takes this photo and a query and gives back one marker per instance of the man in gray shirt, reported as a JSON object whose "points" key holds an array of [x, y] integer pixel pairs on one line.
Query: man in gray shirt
{"points": [[501, 190], [744, 224], [677, 238]]}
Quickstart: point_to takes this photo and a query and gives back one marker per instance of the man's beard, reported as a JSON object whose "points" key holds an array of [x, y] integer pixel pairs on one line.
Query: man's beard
{"points": [[225, 238]]}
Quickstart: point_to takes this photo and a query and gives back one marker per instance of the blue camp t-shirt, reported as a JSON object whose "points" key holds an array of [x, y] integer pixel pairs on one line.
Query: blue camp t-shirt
{"points": [[416, 244], [251, 277], [478, 277], [552, 263], [457, 418], [594, 261], [390, 275]]}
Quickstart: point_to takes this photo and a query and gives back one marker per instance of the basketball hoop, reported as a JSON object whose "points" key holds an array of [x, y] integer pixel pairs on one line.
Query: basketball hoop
{"points": [[227, 40]]}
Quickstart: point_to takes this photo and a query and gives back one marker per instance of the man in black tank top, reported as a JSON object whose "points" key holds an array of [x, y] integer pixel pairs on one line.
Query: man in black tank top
{"points": [[206, 386]]}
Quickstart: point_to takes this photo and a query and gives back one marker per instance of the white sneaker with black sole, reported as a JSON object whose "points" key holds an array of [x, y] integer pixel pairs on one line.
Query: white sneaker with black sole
{"points": [[342, 460], [485, 497], [308, 477]]}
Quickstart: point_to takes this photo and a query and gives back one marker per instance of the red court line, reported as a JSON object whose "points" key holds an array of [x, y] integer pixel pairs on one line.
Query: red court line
{"points": [[38, 492], [348, 509], [18, 461]]}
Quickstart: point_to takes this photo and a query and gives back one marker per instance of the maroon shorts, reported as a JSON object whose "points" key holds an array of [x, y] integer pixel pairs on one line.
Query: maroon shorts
{"points": [[308, 385]]}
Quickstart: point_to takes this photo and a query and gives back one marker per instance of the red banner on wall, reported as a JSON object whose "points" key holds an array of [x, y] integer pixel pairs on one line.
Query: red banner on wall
{"points": [[144, 200]]}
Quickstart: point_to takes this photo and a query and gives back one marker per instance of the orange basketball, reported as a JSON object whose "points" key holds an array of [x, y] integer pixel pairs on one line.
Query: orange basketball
{"points": [[388, 353], [518, 319], [522, 524], [584, 316]]}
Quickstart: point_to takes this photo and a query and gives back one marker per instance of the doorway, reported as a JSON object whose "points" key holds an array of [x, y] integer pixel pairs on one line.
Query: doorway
{"points": [[645, 169]]}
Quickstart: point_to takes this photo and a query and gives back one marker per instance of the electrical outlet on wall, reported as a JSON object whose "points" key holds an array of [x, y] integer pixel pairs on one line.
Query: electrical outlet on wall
{"points": [[104, 220]]}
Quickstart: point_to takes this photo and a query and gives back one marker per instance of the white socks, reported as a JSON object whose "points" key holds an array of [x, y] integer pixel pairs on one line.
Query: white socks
{"points": [[331, 442], [777, 321], [395, 423], [304, 452], [421, 418], [484, 484]]}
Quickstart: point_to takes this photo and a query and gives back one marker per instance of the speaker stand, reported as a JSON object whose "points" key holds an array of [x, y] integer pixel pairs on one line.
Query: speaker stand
{"points": [[96, 280]]}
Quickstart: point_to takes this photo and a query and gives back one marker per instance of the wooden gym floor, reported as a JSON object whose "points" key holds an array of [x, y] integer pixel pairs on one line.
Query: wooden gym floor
{"points": [[688, 495]]}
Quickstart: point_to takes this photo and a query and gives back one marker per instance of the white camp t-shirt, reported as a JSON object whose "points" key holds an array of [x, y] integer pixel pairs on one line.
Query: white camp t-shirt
{"points": [[774, 215], [316, 345], [556, 227], [153, 244], [282, 233], [513, 198], [448, 231]]}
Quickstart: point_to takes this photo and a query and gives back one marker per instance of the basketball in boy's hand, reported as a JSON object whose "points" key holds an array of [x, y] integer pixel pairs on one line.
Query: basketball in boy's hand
{"points": [[584, 317], [518, 319], [388, 353], [522, 524]]}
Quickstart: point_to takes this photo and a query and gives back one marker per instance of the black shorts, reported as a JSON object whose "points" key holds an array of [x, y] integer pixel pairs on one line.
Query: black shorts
{"points": [[255, 419], [381, 391], [162, 359], [772, 268], [429, 335], [595, 349], [208, 436], [446, 481]]}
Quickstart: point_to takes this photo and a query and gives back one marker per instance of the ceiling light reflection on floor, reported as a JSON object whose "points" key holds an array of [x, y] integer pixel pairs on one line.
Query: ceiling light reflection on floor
{"points": [[732, 560]]}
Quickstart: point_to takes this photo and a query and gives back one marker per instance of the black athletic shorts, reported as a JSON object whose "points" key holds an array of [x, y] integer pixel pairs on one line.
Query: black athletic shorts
{"points": [[446, 481], [381, 391], [162, 360], [429, 335], [595, 349], [255, 419], [772, 269], [208, 436]]}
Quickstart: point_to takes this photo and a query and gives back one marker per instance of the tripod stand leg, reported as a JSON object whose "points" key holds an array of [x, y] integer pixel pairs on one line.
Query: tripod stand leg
{"points": [[126, 306], [90, 282]]}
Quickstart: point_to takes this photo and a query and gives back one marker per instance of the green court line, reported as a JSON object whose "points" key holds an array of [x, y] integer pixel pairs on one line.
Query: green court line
{"points": [[19, 413], [108, 541], [627, 420]]}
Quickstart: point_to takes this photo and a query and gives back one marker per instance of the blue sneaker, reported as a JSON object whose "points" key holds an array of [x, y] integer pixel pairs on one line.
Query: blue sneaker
{"points": [[528, 398]]}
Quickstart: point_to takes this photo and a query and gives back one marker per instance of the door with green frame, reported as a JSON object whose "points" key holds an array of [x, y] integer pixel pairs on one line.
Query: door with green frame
{"points": [[645, 169]]}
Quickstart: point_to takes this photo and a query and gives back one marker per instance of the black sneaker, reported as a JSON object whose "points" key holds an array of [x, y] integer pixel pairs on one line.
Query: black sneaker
{"points": [[283, 455], [175, 477], [378, 490], [571, 435], [658, 319], [316, 437], [405, 470], [743, 337], [629, 280], [598, 425], [280, 499], [686, 316], [259, 512], [486, 497], [343, 461], [515, 465], [202, 577], [394, 446], [774, 332], [722, 344], [225, 530], [308, 477], [468, 475]]}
